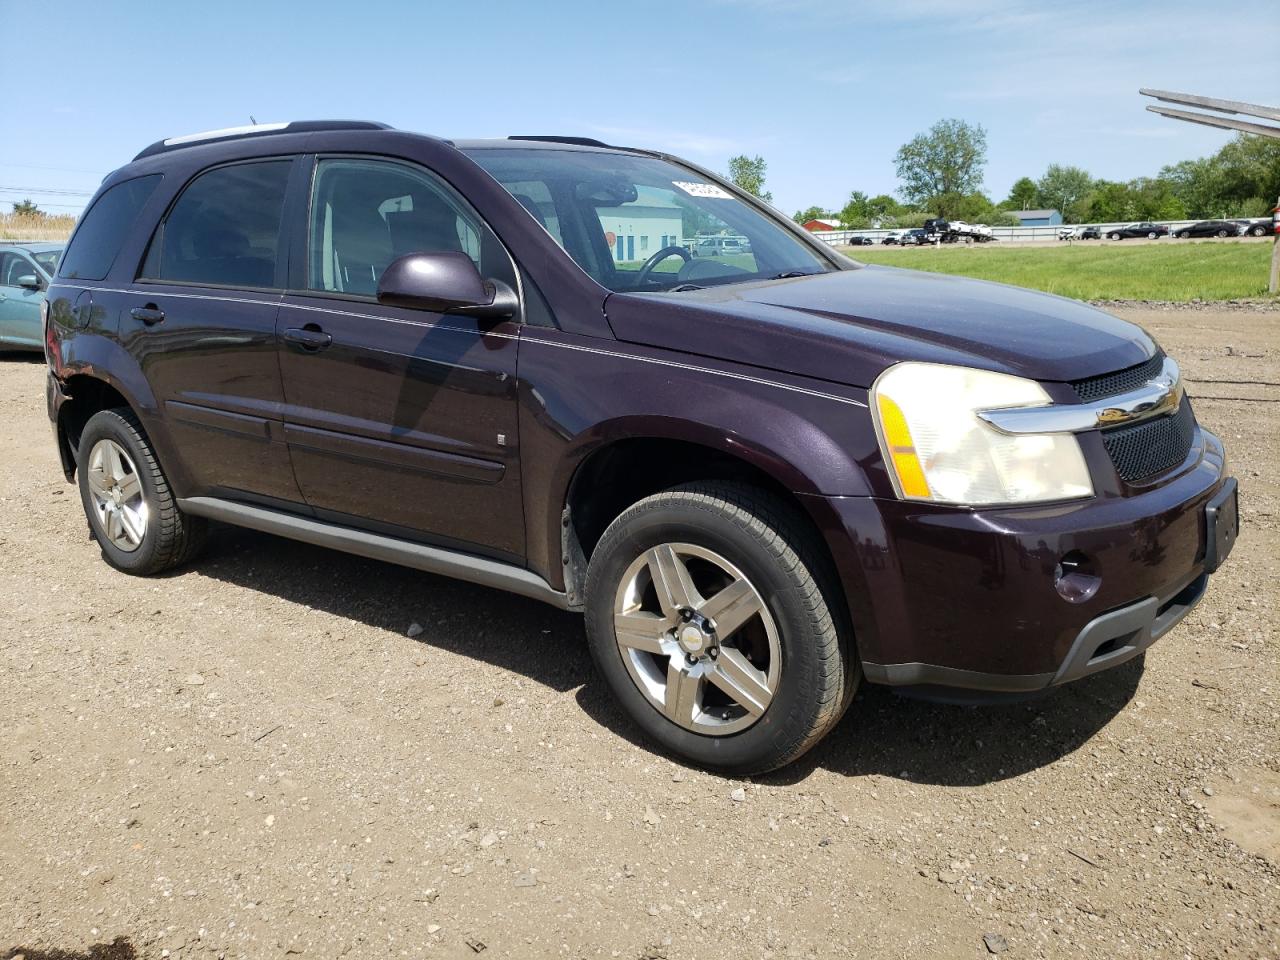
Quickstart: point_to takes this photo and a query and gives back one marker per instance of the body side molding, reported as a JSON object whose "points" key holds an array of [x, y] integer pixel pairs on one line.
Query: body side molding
{"points": [[449, 563]]}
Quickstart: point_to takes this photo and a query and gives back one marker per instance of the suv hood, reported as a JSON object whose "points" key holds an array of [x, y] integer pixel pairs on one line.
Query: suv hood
{"points": [[848, 326]]}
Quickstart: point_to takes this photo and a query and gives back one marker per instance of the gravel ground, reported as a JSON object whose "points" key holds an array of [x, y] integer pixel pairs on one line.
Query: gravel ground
{"points": [[253, 758]]}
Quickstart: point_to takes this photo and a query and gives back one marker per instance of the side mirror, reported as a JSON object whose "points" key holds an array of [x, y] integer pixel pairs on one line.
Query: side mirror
{"points": [[445, 282], [29, 281]]}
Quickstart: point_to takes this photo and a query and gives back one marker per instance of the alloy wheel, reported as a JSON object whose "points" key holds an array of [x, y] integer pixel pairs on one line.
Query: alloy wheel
{"points": [[116, 490], [697, 639]]}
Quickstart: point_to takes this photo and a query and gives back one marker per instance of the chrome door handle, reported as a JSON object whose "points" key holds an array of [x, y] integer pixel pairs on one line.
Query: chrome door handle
{"points": [[150, 314]]}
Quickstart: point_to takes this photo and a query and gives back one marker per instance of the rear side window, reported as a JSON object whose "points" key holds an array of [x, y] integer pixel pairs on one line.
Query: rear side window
{"points": [[97, 240], [224, 230]]}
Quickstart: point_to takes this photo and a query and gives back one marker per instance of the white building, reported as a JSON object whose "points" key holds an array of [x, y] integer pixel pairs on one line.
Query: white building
{"points": [[640, 229]]}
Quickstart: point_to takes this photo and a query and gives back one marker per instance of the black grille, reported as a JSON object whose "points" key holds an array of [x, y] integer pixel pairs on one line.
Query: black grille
{"points": [[1150, 448], [1122, 381]]}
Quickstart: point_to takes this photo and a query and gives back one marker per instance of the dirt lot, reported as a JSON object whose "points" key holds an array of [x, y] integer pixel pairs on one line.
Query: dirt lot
{"points": [[252, 758]]}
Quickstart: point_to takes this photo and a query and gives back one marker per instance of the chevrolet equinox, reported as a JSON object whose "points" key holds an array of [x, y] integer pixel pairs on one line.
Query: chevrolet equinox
{"points": [[763, 471]]}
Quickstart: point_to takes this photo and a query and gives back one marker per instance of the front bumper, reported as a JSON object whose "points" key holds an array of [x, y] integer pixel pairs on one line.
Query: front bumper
{"points": [[972, 599]]}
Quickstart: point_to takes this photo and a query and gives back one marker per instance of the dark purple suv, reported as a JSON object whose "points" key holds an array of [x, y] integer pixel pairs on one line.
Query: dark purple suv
{"points": [[762, 472]]}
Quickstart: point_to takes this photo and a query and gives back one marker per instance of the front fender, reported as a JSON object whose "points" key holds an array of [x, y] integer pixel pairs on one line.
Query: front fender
{"points": [[578, 396]]}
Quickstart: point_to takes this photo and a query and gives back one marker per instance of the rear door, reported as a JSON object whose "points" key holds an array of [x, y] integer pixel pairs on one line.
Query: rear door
{"points": [[201, 320], [399, 420]]}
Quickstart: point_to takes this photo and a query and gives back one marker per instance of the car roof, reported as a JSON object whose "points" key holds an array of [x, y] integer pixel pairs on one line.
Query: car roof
{"points": [[30, 247]]}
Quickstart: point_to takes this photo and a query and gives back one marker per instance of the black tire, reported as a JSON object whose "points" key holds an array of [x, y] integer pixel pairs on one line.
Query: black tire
{"points": [[1222, 233], [1182, 235], [1257, 231], [1113, 236], [172, 537], [1151, 235], [768, 543]]}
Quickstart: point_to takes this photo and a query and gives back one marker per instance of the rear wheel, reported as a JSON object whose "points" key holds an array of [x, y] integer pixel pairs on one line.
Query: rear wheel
{"points": [[1151, 235], [1113, 236], [1222, 233], [130, 508], [708, 614], [1182, 234]]}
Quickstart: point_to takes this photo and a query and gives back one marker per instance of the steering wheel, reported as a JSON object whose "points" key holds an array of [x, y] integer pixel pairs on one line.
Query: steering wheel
{"points": [[647, 268]]}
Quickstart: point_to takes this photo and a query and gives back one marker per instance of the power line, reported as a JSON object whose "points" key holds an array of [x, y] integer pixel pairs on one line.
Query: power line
{"points": [[48, 191], [39, 166]]}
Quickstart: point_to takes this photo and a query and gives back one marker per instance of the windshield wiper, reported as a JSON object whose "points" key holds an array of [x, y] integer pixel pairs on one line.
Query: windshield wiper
{"points": [[685, 287], [795, 273]]}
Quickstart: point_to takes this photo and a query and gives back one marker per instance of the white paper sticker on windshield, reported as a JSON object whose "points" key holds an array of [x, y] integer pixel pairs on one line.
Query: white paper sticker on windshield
{"points": [[703, 190]]}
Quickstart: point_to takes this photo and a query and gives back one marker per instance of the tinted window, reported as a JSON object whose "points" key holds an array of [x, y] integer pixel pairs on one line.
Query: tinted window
{"points": [[224, 229], [366, 213], [98, 238]]}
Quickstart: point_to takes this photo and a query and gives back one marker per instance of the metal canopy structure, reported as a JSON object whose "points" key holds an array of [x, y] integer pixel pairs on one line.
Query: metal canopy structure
{"points": [[1234, 107]]}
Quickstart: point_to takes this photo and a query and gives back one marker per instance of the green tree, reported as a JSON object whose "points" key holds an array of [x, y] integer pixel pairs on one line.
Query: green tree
{"points": [[1022, 195], [811, 213], [1062, 188], [748, 173], [946, 160], [27, 208]]}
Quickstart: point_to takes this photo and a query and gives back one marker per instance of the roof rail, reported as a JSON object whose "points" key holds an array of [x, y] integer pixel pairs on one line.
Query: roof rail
{"points": [[576, 141], [257, 130]]}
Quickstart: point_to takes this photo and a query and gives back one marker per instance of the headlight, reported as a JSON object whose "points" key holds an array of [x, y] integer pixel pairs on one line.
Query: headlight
{"points": [[937, 448]]}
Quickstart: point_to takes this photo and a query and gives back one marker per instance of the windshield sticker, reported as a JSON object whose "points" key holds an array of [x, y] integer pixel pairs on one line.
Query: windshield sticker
{"points": [[703, 190]]}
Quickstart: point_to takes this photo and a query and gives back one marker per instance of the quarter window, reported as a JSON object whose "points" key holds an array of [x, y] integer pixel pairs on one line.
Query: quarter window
{"points": [[367, 213], [224, 230], [102, 231]]}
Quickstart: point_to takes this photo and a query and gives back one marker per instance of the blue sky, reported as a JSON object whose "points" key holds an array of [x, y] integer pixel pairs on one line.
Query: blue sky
{"points": [[826, 91]]}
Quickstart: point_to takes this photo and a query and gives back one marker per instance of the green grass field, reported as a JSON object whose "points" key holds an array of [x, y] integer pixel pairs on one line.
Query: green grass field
{"points": [[1166, 270]]}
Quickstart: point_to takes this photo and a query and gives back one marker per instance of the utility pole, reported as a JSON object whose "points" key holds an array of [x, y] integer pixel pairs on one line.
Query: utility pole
{"points": [[1235, 108]]}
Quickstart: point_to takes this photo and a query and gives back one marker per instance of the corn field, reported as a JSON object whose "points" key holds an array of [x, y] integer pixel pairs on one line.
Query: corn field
{"points": [[41, 226]]}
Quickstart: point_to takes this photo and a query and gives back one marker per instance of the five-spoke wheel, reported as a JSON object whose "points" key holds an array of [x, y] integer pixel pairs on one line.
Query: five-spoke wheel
{"points": [[697, 638]]}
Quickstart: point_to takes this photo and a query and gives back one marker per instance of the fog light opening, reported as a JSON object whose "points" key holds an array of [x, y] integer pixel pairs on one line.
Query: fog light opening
{"points": [[1074, 578]]}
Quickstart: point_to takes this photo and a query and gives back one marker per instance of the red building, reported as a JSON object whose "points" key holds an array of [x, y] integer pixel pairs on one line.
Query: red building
{"points": [[820, 225]]}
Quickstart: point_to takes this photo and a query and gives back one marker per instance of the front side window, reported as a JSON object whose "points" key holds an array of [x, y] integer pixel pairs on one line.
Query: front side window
{"points": [[224, 230], [13, 267], [367, 213], [98, 239], [644, 224]]}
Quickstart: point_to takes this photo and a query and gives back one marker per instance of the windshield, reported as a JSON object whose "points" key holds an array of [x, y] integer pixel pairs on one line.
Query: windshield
{"points": [[643, 224], [48, 260]]}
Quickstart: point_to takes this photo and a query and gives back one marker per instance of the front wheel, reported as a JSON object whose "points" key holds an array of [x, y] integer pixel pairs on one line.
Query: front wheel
{"points": [[1113, 236], [131, 509], [708, 615], [1151, 235]]}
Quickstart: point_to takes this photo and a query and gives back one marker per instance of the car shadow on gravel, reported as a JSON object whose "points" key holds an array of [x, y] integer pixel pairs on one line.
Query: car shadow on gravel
{"points": [[514, 633], [882, 733], [117, 949], [32, 357], [889, 735]]}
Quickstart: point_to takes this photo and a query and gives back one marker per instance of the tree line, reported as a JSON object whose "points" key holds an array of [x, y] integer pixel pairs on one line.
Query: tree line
{"points": [[941, 174]]}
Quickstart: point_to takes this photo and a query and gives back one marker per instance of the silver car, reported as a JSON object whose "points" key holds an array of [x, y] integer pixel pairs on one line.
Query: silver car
{"points": [[25, 271]]}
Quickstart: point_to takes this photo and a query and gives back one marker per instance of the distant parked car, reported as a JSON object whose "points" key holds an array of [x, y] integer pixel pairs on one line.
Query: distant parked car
{"points": [[1254, 228], [25, 271], [893, 237], [1144, 229], [1079, 233], [860, 241], [916, 237], [1211, 228]]}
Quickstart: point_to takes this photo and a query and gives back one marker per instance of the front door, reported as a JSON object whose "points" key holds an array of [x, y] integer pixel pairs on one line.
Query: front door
{"points": [[399, 420], [19, 305]]}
